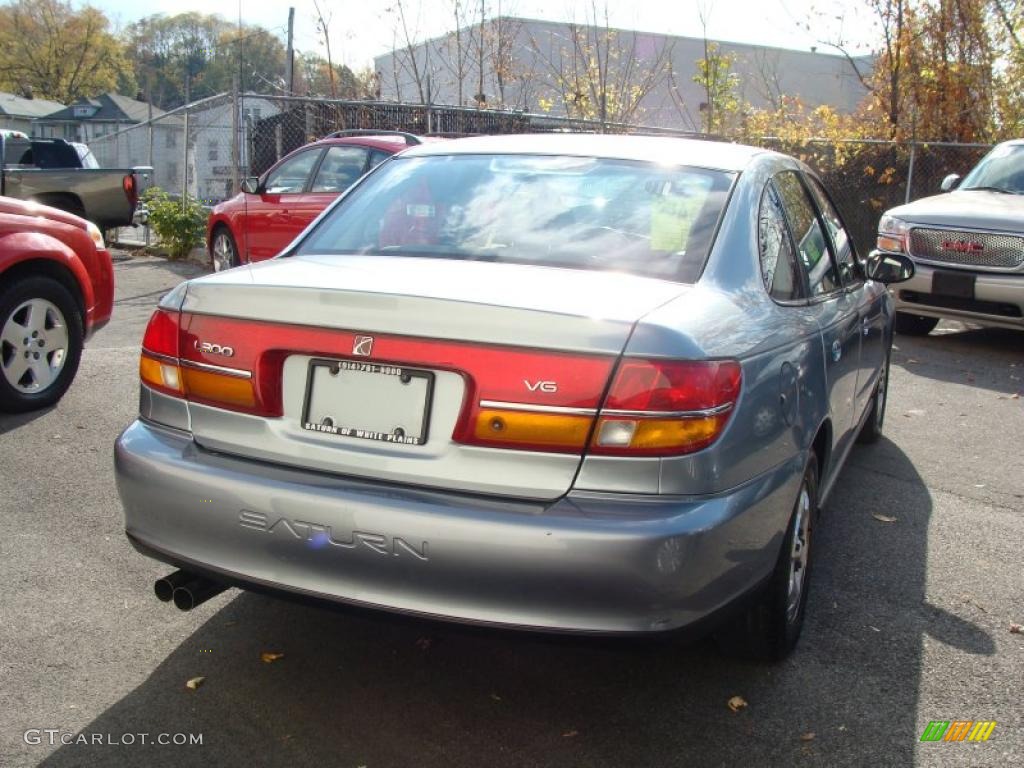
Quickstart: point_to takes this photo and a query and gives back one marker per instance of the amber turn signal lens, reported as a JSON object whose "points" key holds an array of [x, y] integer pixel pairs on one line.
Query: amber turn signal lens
{"points": [[218, 388], [159, 374], [657, 436], [523, 429]]}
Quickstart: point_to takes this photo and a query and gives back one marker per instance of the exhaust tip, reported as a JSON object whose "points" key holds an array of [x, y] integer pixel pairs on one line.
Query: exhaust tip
{"points": [[164, 588], [196, 592]]}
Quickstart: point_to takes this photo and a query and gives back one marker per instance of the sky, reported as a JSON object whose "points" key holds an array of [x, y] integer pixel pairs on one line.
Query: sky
{"points": [[361, 30]]}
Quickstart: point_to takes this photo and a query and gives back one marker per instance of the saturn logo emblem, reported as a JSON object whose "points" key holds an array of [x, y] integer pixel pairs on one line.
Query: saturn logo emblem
{"points": [[362, 346]]}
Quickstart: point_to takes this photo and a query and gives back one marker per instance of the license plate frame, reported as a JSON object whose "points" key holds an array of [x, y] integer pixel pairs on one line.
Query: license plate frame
{"points": [[363, 367], [949, 283]]}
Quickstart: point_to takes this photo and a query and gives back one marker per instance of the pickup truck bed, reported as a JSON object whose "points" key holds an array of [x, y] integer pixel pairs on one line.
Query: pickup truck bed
{"points": [[43, 171]]}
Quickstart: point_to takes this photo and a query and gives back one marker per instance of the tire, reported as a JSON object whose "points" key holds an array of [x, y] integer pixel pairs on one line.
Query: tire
{"points": [[914, 325], [871, 432], [223, 250], [770, 629], [40, 322], [65, 203]]}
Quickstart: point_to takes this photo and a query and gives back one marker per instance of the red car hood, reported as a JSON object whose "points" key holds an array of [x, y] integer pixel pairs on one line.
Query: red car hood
{"points": [[27, 208]]}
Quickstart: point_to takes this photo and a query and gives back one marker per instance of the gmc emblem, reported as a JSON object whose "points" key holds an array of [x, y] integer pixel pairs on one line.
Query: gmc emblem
{"points": [[962, 246]]}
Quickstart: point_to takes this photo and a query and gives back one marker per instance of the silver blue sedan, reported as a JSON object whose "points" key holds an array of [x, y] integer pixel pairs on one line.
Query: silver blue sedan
{"points": [[571, 383]]}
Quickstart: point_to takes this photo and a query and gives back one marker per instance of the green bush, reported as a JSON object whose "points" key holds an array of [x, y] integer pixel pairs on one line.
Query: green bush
{"points": [[179, 226]]}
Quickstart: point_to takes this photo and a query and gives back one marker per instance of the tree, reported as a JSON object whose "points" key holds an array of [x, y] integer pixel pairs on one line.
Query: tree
{"points": [[59, 53], [721, 85], [192, 55], [599, 73]]}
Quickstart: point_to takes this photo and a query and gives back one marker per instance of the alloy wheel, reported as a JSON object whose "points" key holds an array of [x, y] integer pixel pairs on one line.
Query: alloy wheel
{"points": [[799, 554], [33, 345], [223, 252]]}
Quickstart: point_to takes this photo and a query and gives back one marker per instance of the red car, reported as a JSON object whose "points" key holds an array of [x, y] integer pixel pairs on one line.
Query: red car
{"points": [[272, 210], [56, 290]]}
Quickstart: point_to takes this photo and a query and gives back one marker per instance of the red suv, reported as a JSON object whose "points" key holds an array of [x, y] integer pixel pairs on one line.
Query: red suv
{"points": [[270, 211], [56, 290]]}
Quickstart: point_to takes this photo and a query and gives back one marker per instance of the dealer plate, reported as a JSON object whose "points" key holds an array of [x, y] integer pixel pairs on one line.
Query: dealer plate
{"points": [[368, 401]]}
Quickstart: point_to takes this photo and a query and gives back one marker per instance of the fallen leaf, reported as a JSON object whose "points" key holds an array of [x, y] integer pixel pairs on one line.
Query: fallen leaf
{"points": [[570, 734], [912, 360], [496, 697], [807, 737], [1016, 629], [873, 628], [269, 657], [883, 518], [842, 727], [1015, 396], [194, 683], [736, 703]]}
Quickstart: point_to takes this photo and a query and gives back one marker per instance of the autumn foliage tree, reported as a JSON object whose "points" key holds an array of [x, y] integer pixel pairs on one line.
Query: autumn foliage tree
{"points": [[49, 49]]}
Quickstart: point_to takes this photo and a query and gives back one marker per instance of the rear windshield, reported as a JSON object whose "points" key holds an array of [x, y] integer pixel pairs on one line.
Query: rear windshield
{"points": [[574, 212]]}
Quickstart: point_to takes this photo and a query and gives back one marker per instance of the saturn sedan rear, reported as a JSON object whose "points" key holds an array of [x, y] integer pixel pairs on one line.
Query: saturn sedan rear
{"points": [[569, 383]]}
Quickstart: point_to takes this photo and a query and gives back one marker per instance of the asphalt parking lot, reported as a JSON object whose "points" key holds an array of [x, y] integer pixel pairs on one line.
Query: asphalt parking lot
{"points": [[908, 621]]}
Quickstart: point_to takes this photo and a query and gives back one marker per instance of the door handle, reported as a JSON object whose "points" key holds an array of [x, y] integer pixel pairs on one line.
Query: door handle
{"points": [[865, 325], [837, 351]]}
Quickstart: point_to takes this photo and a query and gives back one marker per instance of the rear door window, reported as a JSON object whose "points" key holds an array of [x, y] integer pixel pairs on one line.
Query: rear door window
{"points": [[340, 168], [811, 241], [779, 270]]}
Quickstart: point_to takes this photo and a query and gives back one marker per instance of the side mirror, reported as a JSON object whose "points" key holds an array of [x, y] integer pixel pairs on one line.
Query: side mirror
{"points": [[950, 182], [251, 185], [889, 268]]}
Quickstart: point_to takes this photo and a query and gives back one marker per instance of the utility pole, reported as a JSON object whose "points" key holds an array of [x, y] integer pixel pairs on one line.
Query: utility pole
{"points": [[289, 72]]}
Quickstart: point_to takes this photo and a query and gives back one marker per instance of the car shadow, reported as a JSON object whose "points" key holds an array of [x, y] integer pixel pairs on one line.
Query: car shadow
{"points": [[9, 422], [989, 358], [357, 688]]}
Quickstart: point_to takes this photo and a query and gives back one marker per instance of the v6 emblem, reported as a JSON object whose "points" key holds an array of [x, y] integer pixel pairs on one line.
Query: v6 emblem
{"points": [[541, 386]]}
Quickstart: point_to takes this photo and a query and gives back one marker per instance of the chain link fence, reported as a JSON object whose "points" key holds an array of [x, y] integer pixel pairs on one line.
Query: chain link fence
{"points": [[205, 149]]}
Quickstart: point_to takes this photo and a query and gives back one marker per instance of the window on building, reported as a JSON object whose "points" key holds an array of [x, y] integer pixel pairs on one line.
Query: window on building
{"points": [[211, 150]]}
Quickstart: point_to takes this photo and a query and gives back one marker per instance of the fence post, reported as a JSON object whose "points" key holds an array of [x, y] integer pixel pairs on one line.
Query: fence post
{"points": [[910, 170], [184, 167], [236, 159]]}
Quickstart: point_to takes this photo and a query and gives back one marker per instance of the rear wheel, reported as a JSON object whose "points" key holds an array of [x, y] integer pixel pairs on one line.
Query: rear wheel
{"points": [[41, 339], [223, 251], [771, 627], [915, 325]]}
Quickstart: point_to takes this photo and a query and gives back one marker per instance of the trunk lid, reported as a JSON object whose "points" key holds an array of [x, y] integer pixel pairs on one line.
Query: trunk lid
{"points": [[463, 333]]}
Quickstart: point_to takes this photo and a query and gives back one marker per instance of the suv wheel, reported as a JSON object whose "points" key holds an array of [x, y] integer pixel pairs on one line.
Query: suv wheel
{"points": [[915, 325], [771, 627], [41, 338], [223, 251]]}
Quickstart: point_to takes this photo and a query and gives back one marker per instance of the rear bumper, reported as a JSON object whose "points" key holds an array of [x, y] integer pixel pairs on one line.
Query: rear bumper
{"points": [[998, 298], [586, 562]]}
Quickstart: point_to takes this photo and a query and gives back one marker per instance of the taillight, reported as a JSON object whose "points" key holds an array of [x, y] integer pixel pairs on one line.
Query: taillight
{"points": [[666, 407], [130, 190], [166, 366]]}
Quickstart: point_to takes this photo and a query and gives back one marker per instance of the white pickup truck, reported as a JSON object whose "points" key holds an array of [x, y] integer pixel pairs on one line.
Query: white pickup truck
{"points": [[967, 245]]}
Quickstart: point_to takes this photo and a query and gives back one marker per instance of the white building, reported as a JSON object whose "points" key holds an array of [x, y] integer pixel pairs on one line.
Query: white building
{"points": [[17, 112], [531, 55]]}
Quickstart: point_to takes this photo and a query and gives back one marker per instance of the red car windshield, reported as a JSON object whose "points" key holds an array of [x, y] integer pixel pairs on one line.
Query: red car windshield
{"points": [[577, 212]]}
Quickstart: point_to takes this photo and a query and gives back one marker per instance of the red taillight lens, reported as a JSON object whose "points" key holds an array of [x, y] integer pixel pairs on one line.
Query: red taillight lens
{"points": [[161, 335], [130, 190], [666, 407], [673, 385]]}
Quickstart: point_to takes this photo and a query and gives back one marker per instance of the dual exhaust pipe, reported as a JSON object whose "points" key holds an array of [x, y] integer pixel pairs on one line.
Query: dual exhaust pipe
{"points": [[186, 589]]}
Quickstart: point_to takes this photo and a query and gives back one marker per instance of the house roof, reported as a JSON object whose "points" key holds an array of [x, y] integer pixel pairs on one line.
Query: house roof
{"points": [[16, 106], [113, 107]]}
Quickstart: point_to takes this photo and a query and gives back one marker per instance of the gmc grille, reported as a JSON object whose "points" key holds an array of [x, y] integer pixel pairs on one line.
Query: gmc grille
{"points": [[967, 249]]}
